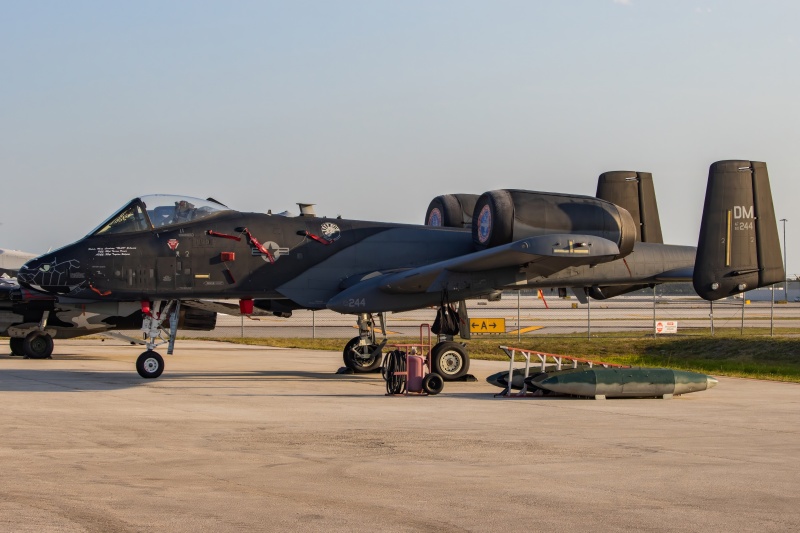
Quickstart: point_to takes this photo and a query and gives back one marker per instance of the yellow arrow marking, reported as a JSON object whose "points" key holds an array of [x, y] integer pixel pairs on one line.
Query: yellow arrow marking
{"points": [[526, 330]]}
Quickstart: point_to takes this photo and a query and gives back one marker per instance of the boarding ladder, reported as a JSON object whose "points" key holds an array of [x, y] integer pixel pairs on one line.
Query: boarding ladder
{"points": [[546, 360]]}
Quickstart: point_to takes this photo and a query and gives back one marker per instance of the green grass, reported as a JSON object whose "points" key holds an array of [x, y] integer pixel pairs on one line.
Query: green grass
{"points": [[727, 353]]}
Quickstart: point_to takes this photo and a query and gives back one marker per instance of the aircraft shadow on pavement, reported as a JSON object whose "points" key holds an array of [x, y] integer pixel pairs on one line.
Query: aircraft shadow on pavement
{"points": [[271, 375], [43, 380], [61, 380]]}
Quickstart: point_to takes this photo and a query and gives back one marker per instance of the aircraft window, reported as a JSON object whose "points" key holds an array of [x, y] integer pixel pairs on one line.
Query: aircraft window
{"points": [[130, 219], [166, 210], [158, 211]]}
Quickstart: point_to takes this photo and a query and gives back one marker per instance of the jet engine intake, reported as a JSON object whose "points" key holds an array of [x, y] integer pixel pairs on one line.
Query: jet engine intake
{"points": [[507, 215], [451, 210]]}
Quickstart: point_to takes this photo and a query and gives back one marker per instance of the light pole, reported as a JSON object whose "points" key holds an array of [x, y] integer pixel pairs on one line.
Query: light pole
{"points": [[785, 273]]}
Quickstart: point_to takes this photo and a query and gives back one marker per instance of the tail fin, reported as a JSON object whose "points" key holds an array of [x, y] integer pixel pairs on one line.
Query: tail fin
{"points": [[738, 248], [635, 192]]}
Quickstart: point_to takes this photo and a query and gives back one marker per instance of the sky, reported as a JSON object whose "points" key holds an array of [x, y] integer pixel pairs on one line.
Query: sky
{"points": [[371, 108]]}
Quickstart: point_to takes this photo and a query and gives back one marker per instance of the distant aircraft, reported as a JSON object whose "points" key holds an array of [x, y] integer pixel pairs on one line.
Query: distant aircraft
{"points": [[158, 252], [11, 261]]}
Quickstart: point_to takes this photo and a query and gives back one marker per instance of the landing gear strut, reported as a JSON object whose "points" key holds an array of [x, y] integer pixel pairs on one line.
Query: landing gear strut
{"points": [[363, 353], [150, 364]]}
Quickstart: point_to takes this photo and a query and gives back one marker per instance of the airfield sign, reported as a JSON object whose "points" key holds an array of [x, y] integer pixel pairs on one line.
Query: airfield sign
{"points": [[487, 325], [667, 326]]}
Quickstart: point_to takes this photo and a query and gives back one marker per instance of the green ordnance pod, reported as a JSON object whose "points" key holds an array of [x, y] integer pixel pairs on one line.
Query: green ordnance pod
{"points": [[624, 382]]}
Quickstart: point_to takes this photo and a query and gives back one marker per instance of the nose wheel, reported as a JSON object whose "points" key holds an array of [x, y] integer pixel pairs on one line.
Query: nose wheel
{"points": [[150, 364]]}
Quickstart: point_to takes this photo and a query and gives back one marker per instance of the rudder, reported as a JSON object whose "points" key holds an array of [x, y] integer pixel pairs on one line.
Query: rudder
{"points": [[738, 248]]}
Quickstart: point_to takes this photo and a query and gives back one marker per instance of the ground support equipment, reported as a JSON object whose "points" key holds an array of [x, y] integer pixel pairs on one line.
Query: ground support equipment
{"points": [[545, 361]]}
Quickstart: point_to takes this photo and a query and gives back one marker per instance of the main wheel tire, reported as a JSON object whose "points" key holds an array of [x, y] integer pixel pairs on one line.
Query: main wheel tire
{"points": [[359, 358], [150, 364], [16, 346], [37, 345], [432, 383], [450, 360]]}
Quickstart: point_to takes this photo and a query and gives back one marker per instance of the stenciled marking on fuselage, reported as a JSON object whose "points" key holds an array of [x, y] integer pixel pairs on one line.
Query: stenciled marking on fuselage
{"points": [[274, 248], [331, 231], [109, 251], [748, 214], [356, 302]]}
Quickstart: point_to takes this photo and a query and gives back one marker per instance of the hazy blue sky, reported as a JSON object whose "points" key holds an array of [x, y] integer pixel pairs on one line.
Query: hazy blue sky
{"points": [[371, 108]]}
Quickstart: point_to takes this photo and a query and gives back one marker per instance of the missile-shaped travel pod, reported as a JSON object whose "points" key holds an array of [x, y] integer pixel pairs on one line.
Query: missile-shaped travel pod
{"points": [[601, 383]]}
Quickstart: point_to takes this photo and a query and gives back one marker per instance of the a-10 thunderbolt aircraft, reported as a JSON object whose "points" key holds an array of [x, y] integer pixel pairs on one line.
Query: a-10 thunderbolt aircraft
{"points": [[162, 252]]}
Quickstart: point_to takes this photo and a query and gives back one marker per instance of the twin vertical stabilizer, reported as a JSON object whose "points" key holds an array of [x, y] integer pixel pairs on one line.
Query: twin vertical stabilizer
{"points": [[635, 192], [738, 248]]}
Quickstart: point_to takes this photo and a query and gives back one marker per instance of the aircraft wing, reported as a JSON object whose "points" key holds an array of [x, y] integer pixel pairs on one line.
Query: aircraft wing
{"points": [[542, 255]]}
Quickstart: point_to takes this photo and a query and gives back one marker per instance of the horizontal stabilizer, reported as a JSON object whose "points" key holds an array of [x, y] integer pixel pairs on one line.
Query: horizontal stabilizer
{"points": [[676, 275]]}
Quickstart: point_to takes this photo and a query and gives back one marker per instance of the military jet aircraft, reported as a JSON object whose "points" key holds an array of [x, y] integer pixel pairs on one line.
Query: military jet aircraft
{"points": [[160, 251]]}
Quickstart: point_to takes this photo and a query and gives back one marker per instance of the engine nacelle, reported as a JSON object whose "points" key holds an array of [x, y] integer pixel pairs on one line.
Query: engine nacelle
{"points": [[507, 215], [451, 210]]}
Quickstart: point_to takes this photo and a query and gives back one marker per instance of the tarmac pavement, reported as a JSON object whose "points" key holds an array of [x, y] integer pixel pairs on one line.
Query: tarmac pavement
{"points": [[239, 438]]}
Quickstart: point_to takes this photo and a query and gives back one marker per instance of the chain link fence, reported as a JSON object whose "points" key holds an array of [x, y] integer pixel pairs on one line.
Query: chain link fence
{"points": [[665, 310]]}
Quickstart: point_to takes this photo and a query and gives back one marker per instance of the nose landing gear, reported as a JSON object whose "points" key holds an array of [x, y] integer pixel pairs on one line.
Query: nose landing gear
{"points": [[150, 364]]}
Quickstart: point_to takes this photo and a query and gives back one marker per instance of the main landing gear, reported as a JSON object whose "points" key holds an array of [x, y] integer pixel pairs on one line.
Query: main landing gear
{"points": [[150, 364], [35, 345], [32, 341], [364, 353], [449, 359]]}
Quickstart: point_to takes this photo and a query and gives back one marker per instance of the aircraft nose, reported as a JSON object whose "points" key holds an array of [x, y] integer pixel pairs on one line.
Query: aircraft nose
{"points": [[49, 274], [28, 271], [712, 382]]}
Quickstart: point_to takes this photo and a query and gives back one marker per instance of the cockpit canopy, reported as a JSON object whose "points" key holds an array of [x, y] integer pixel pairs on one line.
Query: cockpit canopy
{"points": [[157, 211]]}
